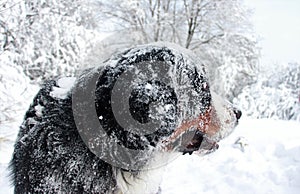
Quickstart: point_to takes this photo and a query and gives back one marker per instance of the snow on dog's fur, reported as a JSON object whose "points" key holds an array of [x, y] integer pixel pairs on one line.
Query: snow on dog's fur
{"points": [[52, 156]]}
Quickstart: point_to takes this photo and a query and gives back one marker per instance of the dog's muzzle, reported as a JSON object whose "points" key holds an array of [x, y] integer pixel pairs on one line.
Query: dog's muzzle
{"points": [[203, 133]]}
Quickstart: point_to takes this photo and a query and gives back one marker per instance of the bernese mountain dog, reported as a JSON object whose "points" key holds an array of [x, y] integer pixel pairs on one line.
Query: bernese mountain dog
{"points": [[114, 127]]}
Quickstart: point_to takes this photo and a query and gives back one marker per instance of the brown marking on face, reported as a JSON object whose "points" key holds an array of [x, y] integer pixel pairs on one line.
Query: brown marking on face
{"points": [[208, 123]]}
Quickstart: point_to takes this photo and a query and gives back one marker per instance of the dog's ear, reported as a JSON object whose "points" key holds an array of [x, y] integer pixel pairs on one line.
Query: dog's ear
{"points": [[135, 98]]}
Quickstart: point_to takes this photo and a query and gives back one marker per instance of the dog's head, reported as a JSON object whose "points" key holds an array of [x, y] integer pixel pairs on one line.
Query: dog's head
{"points": [[150, 97]]}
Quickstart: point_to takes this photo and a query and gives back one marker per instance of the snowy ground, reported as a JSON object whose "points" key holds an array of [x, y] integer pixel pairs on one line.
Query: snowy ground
{"points": [[270, 162]]}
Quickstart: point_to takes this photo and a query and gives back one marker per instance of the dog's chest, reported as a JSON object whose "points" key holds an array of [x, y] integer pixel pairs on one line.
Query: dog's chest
{"points": [[148, 180]]}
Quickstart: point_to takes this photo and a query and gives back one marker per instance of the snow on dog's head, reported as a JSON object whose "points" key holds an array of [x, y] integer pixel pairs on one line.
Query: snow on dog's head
{"points": [[151, 97]]}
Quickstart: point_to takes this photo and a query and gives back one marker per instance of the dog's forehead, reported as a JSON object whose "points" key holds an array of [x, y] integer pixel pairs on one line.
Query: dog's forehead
{"points": [[166, 52], [175, 66]]}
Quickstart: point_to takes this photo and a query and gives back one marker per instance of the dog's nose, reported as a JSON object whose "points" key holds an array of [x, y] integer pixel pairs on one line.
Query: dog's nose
{"points": [[237, 113]]}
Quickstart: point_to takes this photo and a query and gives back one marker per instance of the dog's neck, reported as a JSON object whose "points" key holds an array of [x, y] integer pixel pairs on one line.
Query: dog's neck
{"points": [[146, 181]]}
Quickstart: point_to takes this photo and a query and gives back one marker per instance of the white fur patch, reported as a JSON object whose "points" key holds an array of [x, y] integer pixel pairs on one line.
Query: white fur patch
{"points": [[148, 180], [225, 115]]}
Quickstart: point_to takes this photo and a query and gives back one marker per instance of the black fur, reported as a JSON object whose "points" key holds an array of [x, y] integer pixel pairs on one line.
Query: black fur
{"points": [[50, 146], [49, 154]]}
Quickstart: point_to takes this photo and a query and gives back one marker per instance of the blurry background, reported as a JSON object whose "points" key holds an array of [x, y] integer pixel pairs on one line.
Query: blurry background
{"points": [[251, 49]]}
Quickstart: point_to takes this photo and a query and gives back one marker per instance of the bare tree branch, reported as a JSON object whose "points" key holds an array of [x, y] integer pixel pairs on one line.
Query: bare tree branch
{"points": [[158, 22], [207, 41]]}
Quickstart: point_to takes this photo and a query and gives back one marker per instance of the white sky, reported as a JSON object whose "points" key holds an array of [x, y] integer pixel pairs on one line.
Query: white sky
{"points": [[278, 23]]}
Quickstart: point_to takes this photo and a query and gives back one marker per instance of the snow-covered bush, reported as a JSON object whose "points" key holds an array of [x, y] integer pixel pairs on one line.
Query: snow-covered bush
{"points": [[232, 63], [47, 38], [16, 91], [275, 95]]}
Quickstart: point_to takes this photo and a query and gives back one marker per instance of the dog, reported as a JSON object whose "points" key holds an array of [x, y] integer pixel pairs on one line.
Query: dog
{"points": [[113, 128]]}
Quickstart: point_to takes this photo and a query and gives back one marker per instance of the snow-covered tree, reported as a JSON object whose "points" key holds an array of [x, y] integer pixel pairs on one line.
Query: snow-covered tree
{"points": [[39, 40], [57, 36], [16, 93], [276, 94], [47, 38], [217, 30]]}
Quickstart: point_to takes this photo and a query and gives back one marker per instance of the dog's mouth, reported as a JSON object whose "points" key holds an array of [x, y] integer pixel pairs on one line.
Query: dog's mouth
{"points": [[195, 135], [195, 141]]}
